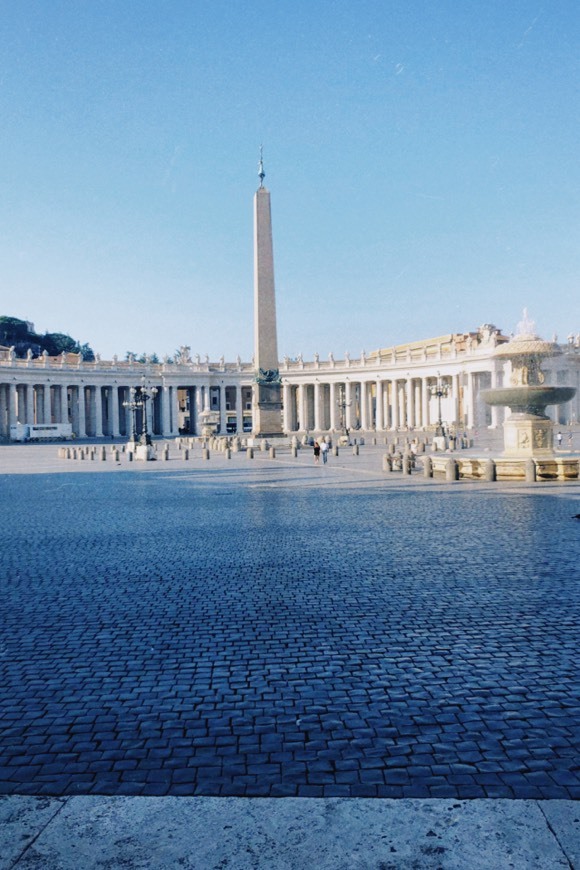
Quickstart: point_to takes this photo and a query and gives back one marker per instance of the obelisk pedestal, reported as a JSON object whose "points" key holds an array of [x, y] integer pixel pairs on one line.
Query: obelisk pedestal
{"points": [[267, 389]]}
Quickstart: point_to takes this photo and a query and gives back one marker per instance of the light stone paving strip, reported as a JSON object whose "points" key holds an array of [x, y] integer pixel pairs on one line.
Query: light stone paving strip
{"points": [[287, 834]]}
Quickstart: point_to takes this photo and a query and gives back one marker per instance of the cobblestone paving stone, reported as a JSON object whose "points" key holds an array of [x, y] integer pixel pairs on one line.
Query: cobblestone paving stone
{"points": [[171, 634]]}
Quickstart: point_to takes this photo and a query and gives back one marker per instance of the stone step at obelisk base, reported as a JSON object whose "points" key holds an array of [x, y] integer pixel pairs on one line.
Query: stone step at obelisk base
{"points": [[267, 388]]}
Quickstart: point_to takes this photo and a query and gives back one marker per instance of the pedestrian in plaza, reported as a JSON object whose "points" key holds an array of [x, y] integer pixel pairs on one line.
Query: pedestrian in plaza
{"points": [[324, 452], [559, 439], [316, 452]]}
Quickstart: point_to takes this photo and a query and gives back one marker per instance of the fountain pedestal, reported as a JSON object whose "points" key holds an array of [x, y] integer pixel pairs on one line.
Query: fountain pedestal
{"points": [[528, 435]]}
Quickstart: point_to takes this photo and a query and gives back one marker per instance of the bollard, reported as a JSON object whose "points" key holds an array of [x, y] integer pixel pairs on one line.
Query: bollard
{"points": [[130, 455], [165, 453], [406, 463], [335, 450], [294, 452], [81, 453], [374, 442], [228, 452], [427, 467], [104, 453], [115, 455], [451, 470], [205, 453], [489, 470], [530, 471], [272, 453], [186, 453], [355, 450], [387, 462], [250, 453]]}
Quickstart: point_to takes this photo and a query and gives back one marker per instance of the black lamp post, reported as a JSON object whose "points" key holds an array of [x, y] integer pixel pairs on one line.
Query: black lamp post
{"points": [[342, 405], [145, 394], [440, 390]]}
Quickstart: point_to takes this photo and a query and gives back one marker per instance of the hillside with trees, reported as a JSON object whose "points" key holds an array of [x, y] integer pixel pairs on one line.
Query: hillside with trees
{"points": [[20, 335]]}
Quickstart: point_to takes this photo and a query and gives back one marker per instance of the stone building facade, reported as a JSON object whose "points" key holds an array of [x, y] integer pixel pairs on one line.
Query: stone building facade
{"points": [[387, 390]]}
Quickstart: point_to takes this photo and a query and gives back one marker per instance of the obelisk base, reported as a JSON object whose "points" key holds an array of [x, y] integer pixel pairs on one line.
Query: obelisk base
{"points": [[267, 411]]}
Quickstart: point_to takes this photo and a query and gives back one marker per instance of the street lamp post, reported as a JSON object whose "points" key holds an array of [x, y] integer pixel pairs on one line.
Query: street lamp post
{"points": [[342, 405], [440, 390], [138, 398], [146, 394]]}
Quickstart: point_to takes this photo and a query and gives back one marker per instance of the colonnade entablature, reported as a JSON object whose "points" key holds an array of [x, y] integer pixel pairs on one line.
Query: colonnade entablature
{"points": [[388, 389]]}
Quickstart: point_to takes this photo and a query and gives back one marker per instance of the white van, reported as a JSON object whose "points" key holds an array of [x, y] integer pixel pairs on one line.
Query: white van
{"points": [[41, 432]]}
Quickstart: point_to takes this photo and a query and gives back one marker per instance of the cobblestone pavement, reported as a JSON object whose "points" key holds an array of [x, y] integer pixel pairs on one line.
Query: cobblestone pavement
{"points": [[266, 633]]}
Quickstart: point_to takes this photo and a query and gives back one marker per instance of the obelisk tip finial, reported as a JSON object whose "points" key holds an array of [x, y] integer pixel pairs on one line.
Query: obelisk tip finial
{"points": [[261, 173]]}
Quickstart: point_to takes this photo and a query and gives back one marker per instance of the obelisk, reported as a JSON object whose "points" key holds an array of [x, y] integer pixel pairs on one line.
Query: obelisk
{"points": [[266, 394]]}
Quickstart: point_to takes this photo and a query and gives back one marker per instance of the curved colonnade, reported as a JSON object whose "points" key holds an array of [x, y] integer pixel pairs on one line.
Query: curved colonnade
{"points": [[387, 390]]}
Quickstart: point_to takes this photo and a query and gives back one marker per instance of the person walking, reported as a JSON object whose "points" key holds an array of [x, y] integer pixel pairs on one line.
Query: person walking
{"points": [[324, 452], [559, 439], [316, 452]]}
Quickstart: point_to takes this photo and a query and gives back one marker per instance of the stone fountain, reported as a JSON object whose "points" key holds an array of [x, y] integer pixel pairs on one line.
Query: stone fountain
{"points": [[528, 431]]}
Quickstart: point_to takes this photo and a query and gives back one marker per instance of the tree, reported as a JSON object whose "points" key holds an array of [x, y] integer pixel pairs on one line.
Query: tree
{"points": [[18, 334], [13, 330], [56, 343]]}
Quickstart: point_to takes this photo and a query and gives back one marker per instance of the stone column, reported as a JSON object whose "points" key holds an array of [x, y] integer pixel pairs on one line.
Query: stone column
{"points": [[63, 403], [317, 420], [3, 411], [239, 410], [456, 388], [29, 403], [98, 412], [12, 411], [165, 411], [470, 402], [286, 408], [82, 433], [47, 404], [424, 403], [333, 408], [410, 403], [379, 417], [174, 404], [364, 406], [303, 408], [222, 395], [114, 411], [395, 404], [402, 404]]}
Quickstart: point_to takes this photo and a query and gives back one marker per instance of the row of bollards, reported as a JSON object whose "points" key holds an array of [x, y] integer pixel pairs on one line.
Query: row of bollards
{"points": [[185, 450]]}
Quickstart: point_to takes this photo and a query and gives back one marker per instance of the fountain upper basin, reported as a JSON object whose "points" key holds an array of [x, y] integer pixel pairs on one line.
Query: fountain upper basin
{"points": [[528, 400]]}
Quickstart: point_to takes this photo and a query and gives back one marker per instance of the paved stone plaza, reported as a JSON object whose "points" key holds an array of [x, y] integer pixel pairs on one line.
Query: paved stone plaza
{"points": [[272, 628]]}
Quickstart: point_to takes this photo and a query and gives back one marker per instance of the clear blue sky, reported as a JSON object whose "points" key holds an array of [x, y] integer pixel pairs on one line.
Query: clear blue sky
{"points": [[422, 159]]}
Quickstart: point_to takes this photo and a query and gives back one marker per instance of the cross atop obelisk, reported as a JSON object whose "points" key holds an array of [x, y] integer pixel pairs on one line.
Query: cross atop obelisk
{"points": [[267, 405]]}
